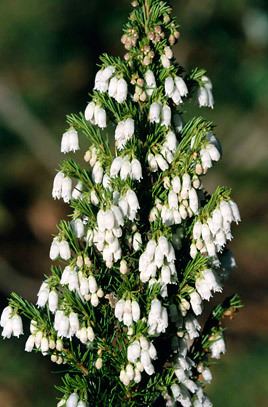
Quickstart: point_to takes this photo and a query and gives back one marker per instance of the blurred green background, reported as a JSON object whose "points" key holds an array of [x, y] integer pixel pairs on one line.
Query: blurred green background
{"points": [[48, 54]]}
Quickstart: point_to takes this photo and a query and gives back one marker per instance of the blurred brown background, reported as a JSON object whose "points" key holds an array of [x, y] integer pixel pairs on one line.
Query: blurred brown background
{"points": [[48, 55]]}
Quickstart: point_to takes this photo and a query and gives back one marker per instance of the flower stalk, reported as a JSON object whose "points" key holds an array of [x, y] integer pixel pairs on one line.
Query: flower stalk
{"points": [[146, 246]]}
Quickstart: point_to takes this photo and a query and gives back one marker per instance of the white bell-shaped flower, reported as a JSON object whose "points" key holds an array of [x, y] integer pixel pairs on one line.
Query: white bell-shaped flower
{"points": [[57, 185], [132, 200], [165, 61], [65, 252], [153, 166], [166, 116], [70, 141], [213, 152], [97, 173], [169, 86], [129, 127], [217, 348], [193, 200], [235, 211], [122, 90], [119, 309], [72, 400], [89, 112], [44, 346], [125, 169], [100, 83], [29, 345], [155, 112], [181, 86], [135, 309], [53, 300], [136, 170], [78, 228], [108, 72], [161, 162], [113, 84], [66, 189], [6, 315], [196, 303], [100, 118], [204, 95], [17, 326], [42, 295], [150, 82], [116, 167]]}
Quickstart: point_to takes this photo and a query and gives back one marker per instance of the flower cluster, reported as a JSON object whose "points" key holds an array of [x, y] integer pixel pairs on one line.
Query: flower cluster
{"points": [[181, 394], [157, 318], [185, 389], [45, 342], [129, 204], [68, 326], [159, 113], [192, 327], [107, 233], [182, 200], [210, 237], [72, 401], [124, 167], [144, 88], [208, 154], [85, 285], [70, 141], [162, 159], [140, 354], [105, 81], [166, 57], [11, 323], [206, 283], [129, 39], [59, 248], [158, 260], [127, 311], [124, 132], [62, 187], [95, 114], [47, 296], [176, 89]]}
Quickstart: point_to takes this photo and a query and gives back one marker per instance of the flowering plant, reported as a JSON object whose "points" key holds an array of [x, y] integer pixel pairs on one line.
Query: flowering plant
{"points": [[146, 244]]}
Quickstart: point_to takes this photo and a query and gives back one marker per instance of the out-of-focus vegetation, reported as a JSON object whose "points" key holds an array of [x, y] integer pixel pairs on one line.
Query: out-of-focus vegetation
{"points": [[242, 378], [48, 55]]}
